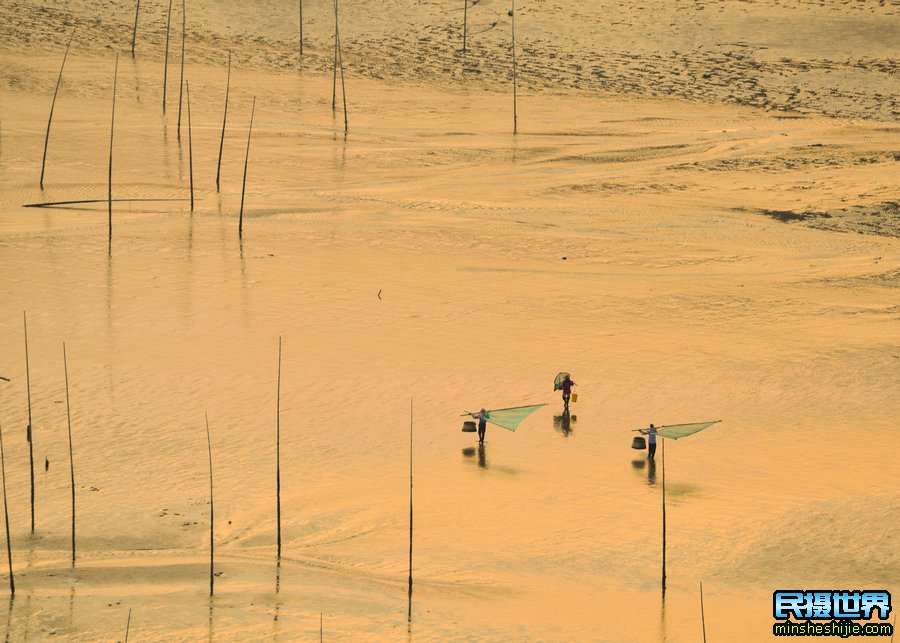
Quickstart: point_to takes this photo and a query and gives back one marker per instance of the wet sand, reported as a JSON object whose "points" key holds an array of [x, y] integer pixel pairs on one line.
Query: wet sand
{"points": [[683, 259]]}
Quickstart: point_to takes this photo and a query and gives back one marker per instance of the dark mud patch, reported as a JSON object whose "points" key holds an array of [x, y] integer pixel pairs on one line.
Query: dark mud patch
{"points": [[881, 219]]}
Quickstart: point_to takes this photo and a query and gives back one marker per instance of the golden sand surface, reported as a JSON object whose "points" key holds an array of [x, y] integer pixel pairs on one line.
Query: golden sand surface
{"points": [[698, 218]]}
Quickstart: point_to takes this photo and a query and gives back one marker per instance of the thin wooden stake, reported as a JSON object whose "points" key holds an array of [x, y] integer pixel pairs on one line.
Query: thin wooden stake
{"points": [[12, 582], [190, 143], [137, 11], [301, 28], [278, 451], [53, 104], [664, 516], [515, 114], [30, 430], [409, 609], [335, 65], [224, 120], [71, 451], [128, 625], [181, 79], [166, 63], [341, 63], [212, 515], [702, 613], [321, 629], [465, 22], [112, 126], [246, 162]]}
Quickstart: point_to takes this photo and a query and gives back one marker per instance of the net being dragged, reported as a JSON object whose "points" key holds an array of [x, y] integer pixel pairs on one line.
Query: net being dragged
{"points": [[512, 417], [675, 431]]}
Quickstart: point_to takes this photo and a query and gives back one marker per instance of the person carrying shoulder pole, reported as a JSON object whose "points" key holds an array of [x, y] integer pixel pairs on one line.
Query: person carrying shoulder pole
{"points": [[566, 386], [481, 416], [651, 439]]}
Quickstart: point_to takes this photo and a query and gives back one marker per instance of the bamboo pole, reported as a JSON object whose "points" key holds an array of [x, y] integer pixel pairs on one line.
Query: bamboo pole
{"points": [[12, 582], [53, 104], [663, 515], [301, 28], [190, 143], [224, 120], [30, 430], [278, 451], [335, 65], [515, 113], [128, 625], [71, 457], [212, 543], [54, 204], [137, 11], [702, 613], [112, 127], [166, 63], [409, 598], [181, 79], [465, 22], [246, 162], [341, 63]]}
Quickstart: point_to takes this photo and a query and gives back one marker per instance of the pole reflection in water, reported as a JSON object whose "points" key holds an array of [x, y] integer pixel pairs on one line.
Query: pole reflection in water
{"points": [[210, 630], [277, 600], [9, 612]]}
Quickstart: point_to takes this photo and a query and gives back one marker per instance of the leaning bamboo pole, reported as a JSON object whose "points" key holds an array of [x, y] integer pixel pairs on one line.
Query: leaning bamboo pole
{"points": [[246, 163], [278, 451], [181, 79], [190, 143], [702, 613], [30, 430], [465, 22], [71, 452], [53, 104], [12, 582], [137, 11], [343, 86], [166, 63], [409, 595], [515, 113], [127, 625], [112, 126], [224, 120], [334, 67], [664, 516], [212, 515]]}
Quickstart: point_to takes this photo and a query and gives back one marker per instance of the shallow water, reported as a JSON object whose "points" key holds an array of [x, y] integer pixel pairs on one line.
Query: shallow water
{"points": [[431, 256]]}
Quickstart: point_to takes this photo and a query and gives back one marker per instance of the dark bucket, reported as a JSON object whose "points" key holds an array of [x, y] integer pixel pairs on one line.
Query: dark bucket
{"points": [[638, 443], [469, 427]]}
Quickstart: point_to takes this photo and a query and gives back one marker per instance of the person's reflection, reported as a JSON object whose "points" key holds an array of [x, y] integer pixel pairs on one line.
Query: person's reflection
{"points": [[650, 465], [471, 451], [563, 423]]}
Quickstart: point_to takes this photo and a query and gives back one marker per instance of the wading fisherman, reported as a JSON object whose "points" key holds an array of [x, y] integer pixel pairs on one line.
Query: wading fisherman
{"points": [[566, 387], [651, 439], [481, 416]]}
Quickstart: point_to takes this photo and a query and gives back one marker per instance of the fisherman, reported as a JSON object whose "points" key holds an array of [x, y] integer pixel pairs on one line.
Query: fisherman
{"points": [[566, 387], [481, 416], [651, 433]]}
